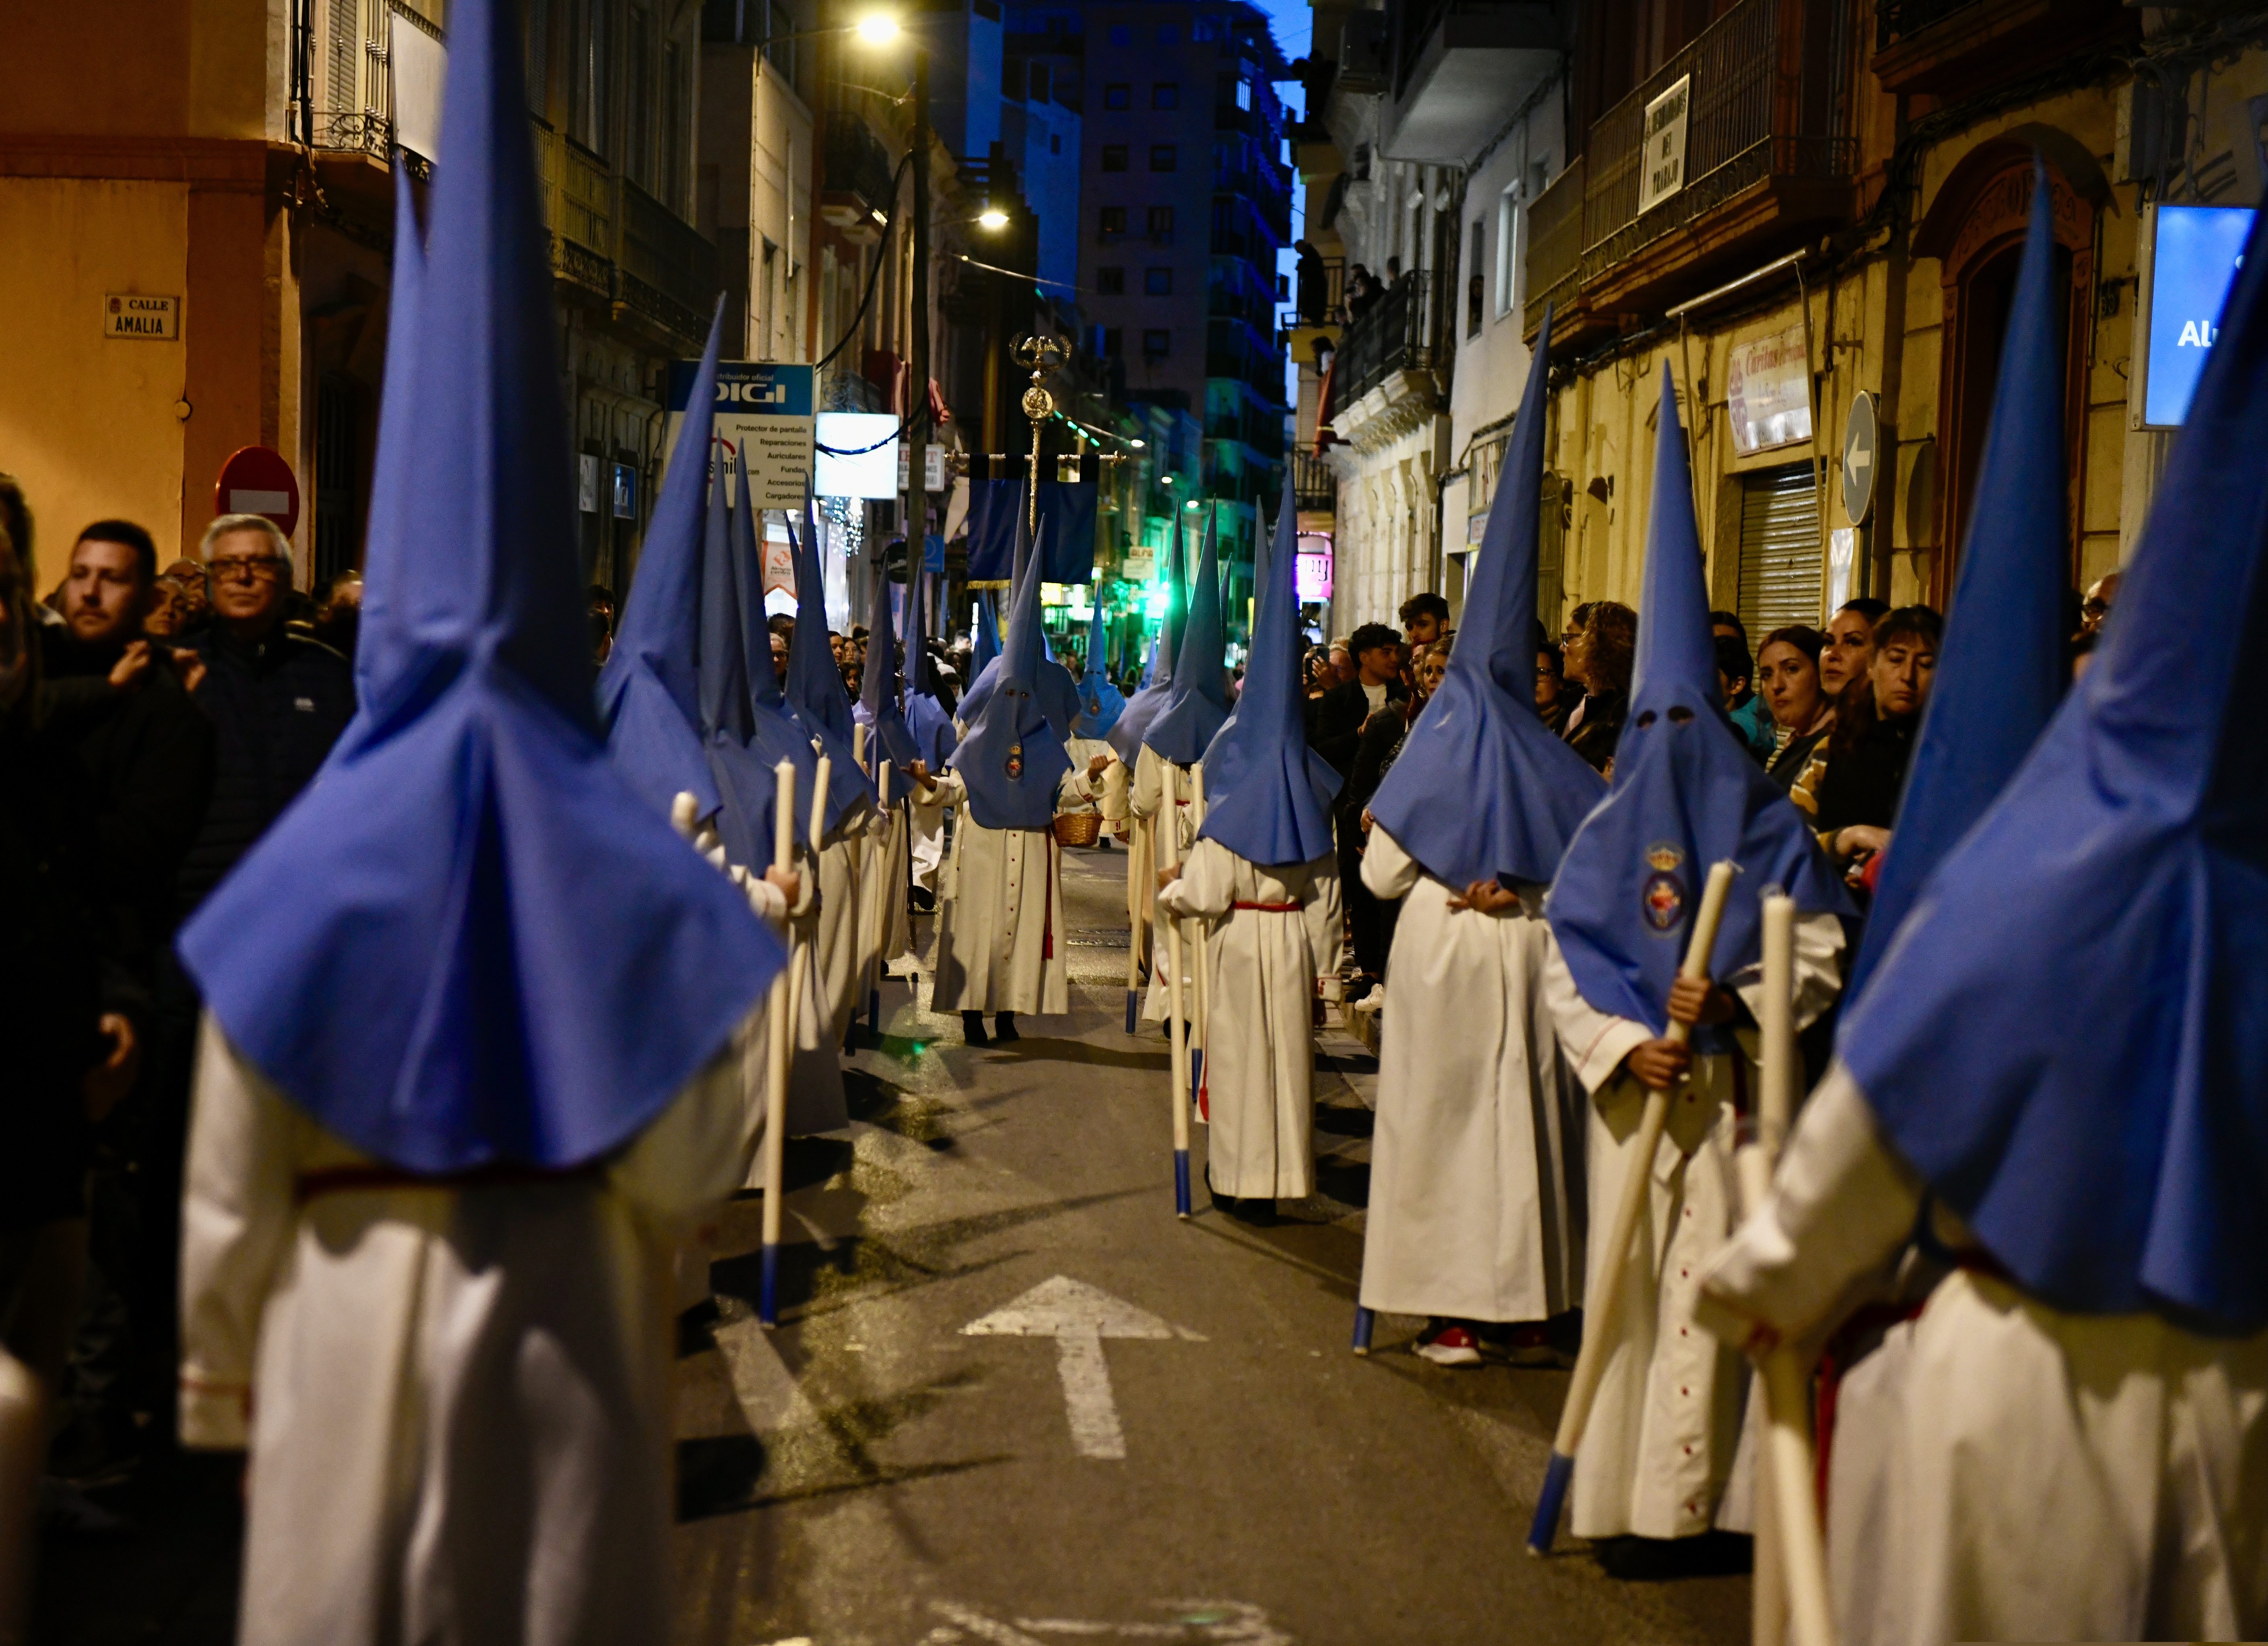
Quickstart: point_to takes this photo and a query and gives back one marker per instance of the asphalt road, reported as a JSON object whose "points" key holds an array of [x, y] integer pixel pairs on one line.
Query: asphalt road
{"points": [[870, 1475]]}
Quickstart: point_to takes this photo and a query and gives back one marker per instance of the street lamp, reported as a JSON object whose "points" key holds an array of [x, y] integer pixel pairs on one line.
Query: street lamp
{"points": [[878, 29], [992, 217]]}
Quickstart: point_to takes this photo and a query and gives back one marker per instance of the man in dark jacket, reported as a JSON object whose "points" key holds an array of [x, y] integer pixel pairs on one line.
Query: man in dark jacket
{"points": [[1341, 714], [277, 700]]}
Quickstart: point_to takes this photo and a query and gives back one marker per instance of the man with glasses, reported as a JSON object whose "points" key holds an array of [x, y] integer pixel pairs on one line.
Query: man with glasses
{"points": [[277, 700]]}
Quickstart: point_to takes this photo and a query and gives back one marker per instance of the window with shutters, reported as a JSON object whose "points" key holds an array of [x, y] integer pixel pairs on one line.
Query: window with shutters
{"points": [[1779, 549]]}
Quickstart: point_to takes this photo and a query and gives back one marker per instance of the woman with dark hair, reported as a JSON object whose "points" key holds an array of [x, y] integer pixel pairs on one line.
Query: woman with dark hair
{"points": [[1598, 661], [1554, 702], [1787, 680], [1873, 737]]}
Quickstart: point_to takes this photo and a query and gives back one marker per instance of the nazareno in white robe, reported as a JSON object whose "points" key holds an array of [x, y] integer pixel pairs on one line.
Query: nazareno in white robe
{"points": [[1145, 798], [457, 1395], [2048, 1475], [1259, 1069], [1477, 1202], [843, 859], [1659, 1448], [1000, 939]]}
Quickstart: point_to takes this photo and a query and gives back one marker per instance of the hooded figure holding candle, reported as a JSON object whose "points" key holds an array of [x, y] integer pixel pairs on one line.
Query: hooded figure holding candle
{"points": [[1658, 1451], [465, 1077], [1263, 880], [2061, 1058], [1000, 942], [1476, 1207]]}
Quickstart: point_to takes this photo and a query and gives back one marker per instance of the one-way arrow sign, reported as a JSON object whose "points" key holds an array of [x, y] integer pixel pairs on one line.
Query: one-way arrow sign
{"points": [[1078, 1317]]}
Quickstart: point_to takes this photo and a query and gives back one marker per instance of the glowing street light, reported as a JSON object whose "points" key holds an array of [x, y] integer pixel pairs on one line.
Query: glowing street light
{"points": [[877, 29], [992, 217]]}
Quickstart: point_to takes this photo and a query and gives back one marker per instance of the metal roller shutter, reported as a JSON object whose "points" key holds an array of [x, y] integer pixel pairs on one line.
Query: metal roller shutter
{"points": [[1779, 549]]}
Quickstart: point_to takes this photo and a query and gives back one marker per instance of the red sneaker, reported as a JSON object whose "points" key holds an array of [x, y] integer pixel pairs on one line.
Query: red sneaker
{"points": [[1450, 1345]]}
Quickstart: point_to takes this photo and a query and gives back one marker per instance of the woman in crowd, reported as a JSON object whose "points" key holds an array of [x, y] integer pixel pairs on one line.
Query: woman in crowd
{"points": [[1599, 660], [1553, 700], [1873, 739], [1787, 679]]}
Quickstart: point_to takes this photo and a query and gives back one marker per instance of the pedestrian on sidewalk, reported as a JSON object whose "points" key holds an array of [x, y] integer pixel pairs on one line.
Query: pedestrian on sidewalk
{"points": [[1659, 1450], [465, 1077], [1476, 1206], [1263, 878]]}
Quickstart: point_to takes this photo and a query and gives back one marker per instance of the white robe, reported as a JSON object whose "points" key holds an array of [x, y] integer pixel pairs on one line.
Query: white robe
{"points": [[1259, 1072], [1659, 1448], [1145, 798], [457, 1397], [842, 864], [2050, 1476], [1477, 1196], [1000, 939], [884, 933]]}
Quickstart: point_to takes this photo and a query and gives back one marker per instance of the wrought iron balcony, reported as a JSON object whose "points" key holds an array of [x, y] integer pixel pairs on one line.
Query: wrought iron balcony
{"points": [[1771, 104], [1402, 332], [857, 178], [1314, 488], [669, 269]]}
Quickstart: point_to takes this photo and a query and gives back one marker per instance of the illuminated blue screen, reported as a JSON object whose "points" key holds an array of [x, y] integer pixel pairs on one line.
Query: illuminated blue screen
{"points": [[2192, 265]]}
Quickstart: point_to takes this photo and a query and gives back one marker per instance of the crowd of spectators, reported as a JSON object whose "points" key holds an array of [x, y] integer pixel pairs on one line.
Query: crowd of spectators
{"points": [[1830, 714], [154, 722]]}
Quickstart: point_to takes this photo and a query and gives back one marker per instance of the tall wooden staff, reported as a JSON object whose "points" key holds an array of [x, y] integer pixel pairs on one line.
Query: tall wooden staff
{"points": [[1137, 872], [780, 1013], [1788, 1510], [1600, 1312], [1176, 1031], [1203, 959], [885, 863]]}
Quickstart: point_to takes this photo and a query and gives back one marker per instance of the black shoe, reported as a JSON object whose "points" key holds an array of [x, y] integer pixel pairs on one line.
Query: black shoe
{"points": [[925, 901], [1003, 1026], [972, 1028]]}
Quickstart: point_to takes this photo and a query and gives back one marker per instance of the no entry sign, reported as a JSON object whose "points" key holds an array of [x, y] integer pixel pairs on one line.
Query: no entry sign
{"points": [[258, 481]]}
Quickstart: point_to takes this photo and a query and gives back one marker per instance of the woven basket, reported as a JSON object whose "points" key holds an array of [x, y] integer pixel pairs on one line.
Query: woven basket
{"points": [[1078, 828]]}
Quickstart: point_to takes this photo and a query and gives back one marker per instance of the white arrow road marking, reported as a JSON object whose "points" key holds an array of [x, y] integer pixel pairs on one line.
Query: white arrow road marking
{"points": [[1078, 1317]]}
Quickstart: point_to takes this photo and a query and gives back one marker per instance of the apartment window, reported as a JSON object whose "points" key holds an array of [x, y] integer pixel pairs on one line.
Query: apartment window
{"points": [[538, 60], [1511, 221], [1114, 341], [1038, 83], [1110, 282], [1162, 223], [1166, 94], [1205, 28], [1054, 144], [1111, 219], [676, 128], [1113, 156], [638, 99], [1158, 282], [1243, 93], [1163, 157], [1473, 281], [1156, 342], [591, 75], [1118, 97]]}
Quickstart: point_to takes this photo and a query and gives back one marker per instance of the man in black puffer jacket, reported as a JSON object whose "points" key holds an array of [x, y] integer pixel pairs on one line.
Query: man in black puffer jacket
{"points": [[277, 700]]}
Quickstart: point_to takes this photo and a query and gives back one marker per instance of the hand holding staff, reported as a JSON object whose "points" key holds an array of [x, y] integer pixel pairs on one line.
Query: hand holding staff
{"points": [[1787, 1510], [1600, 1315], [779, 1012]]}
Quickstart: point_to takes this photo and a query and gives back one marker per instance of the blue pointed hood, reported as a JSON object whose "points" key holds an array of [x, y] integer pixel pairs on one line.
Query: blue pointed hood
{"points": [[1144, 706], [379, 634], [1685, 795], [1011, 759], [744, 777], [2000, 670], [772, 733], [1268, 794], [813, 687], [926, 718], [2068, 1040], [883, 688], [1058, 692], [648, 691], [468, 941], [1101, 702], [1198, 700], [1482, 789]]}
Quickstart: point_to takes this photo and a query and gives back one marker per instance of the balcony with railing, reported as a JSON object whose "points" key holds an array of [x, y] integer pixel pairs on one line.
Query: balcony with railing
{"points": [[1404, 331], [858, 183], [1314, 488], [1770, 155], [669, 270], [1947, 47], [616, 244]]}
